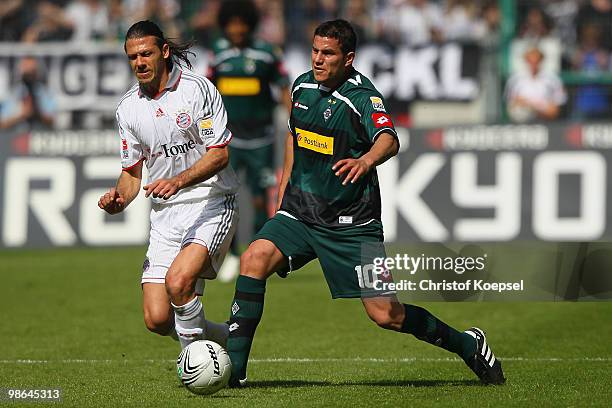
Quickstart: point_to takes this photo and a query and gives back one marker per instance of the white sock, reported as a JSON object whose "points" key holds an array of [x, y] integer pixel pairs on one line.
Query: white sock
{"points": [[217, 332], [189, 321]]}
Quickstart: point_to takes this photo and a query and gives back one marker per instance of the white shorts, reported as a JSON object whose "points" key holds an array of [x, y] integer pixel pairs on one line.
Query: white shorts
{"points": [[210, 223]]}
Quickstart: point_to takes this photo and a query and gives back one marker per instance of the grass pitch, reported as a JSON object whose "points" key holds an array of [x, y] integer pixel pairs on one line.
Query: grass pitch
{"points": [[72, 319]]}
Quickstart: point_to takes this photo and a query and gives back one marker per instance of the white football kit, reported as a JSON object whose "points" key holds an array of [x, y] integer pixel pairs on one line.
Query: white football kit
{"points": [[171, 132]]}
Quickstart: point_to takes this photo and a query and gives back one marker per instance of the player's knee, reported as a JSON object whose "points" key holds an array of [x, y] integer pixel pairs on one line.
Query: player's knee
{"points": [[253, 262], [158, 322], [178, 284]]}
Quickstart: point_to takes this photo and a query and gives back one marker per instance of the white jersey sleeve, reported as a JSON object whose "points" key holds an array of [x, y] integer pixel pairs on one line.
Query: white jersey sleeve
{"points": [[212, 119], [131, 148]]}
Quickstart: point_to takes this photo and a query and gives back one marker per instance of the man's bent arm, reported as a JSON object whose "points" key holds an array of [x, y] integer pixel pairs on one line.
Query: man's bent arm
{"points": [[124, 192], [215, 160], [385, 147], [128, 183]]}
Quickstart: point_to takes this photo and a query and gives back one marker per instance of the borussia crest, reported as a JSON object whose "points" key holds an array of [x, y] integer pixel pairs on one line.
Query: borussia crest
{"points": [[327, 113]]}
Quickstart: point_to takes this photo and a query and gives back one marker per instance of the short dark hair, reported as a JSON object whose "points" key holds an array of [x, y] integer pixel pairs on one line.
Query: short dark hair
{"points": [[342, 31], [179, 52], [245, 10]]}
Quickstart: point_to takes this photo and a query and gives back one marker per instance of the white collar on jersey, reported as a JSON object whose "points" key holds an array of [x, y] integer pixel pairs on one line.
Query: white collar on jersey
{"points": [[173, 79]]}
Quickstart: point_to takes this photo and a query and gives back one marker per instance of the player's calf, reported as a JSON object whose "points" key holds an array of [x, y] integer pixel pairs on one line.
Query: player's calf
{"points": [[390, 314], [385, 312], [159, 321]]}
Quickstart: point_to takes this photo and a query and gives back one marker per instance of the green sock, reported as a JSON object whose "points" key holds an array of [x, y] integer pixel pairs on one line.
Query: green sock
{"points": [[425, 326], [247, 308]]}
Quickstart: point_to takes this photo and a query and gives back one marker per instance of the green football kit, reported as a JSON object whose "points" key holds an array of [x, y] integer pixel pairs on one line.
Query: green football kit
{"points": [[244, 78], [319, 217]]}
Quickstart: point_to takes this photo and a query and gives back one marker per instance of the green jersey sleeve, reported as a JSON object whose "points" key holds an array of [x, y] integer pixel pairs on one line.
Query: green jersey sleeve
{"points": [[374, 116]]}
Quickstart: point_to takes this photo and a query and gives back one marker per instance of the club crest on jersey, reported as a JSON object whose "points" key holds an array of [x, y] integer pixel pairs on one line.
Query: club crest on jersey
{"points": [[327, 114], [183, 120], [377, 103], [249, 66], [225, 67]]}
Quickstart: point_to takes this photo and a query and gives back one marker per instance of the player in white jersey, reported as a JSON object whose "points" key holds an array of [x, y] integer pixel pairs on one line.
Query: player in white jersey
{"points": [[174, 122]]}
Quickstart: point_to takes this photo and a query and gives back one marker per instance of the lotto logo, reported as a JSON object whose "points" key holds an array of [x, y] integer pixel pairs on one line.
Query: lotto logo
{"points": [[382, 120]]}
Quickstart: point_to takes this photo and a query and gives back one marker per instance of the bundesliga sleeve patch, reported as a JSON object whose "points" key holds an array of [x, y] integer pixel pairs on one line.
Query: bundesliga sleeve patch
{"points": [[382, 120], [206, 128], [377, 103]]}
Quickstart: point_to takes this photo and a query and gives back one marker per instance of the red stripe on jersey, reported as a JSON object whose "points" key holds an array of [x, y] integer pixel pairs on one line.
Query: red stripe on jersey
{"points": [[133, 165], [222, 144]]}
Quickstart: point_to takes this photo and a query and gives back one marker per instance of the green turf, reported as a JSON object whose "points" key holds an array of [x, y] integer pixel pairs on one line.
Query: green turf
{"points": [[80, 311]]}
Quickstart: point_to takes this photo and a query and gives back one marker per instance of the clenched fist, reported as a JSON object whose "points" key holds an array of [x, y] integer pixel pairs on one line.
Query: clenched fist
{"points": [[112, 202]]}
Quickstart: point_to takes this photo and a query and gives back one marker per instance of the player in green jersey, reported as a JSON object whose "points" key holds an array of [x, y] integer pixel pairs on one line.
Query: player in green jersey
{"points": [[330, 206], [244, 71]]}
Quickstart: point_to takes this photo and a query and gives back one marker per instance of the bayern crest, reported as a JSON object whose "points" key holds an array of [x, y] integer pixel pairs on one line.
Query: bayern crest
{"points": [[183, 120]]}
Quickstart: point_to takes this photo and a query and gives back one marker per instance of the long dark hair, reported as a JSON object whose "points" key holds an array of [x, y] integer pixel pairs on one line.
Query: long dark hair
{"points": [[179, 52], [245, 10]]}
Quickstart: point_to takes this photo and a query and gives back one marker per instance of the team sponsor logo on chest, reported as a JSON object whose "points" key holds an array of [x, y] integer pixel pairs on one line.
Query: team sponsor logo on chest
{"points": [[174, 150], [183, 119], [238, 86], [314, 141], [299, 105]]}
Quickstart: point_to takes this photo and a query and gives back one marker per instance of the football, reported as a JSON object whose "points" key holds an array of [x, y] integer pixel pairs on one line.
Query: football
{"points": [[204, 367]]}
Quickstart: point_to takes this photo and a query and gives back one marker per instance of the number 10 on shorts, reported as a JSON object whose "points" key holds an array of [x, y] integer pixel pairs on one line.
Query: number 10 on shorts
{"points": [[366, 276]]}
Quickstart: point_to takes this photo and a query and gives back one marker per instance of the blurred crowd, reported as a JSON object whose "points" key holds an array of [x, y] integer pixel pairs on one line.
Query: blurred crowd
{"points": [[583, 28], [411, 22]]}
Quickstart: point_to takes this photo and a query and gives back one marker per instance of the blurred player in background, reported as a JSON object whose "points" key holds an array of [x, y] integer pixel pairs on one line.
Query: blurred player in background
{"points": [[339, 132], [175, 121], [30, 104], [244, 70], [534, 95]]}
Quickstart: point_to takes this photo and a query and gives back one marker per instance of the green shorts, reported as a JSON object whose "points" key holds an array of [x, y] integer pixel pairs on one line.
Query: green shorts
{"points": [[340, 252], [258, 164]]}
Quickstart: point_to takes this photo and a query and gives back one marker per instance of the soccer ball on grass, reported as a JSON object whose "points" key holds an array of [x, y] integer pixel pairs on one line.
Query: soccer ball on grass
{"points": [[204, 367]]}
